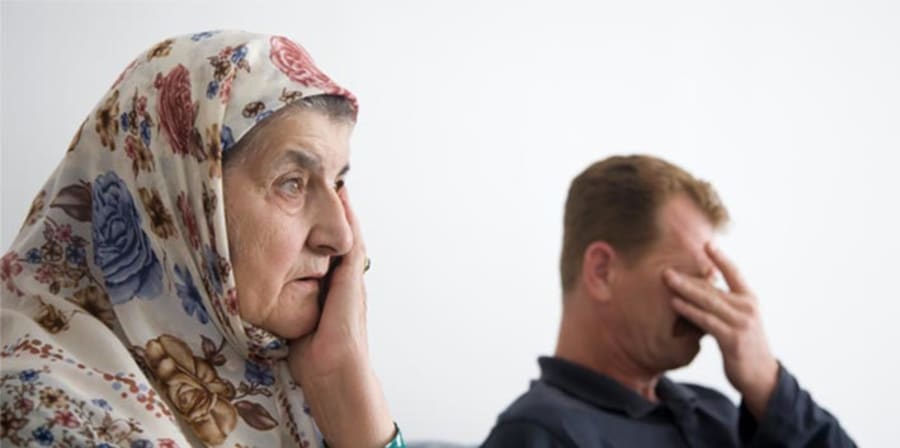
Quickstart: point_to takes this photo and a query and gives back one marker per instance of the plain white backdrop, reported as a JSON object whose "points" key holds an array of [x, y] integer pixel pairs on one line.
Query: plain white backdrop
{"points": [[475, 115]]}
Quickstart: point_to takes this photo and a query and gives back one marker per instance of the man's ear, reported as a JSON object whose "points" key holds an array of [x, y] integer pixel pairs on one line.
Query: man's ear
{"points": [[597, 270]]}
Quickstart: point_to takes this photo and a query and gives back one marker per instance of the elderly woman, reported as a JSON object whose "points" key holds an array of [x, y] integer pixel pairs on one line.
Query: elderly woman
{"points": [[191, 273]]}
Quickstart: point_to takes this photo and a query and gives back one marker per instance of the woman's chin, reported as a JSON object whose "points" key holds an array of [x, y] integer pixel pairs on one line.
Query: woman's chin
{"points": [[296, 327], [298, 314], [291, 330]]}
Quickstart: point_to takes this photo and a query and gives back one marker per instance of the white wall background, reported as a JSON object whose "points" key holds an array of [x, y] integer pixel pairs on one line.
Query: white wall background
{"points": [[475, 116]]}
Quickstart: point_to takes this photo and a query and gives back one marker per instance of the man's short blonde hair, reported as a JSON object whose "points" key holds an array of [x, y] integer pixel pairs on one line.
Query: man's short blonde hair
{"points": [[616, 200]]}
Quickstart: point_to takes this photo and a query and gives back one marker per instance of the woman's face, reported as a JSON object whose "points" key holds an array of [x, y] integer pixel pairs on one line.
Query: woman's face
{"points": [[285, 218]]}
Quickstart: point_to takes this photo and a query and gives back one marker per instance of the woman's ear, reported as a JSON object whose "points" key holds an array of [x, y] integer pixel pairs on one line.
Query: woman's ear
{"points": [[597, 270]]}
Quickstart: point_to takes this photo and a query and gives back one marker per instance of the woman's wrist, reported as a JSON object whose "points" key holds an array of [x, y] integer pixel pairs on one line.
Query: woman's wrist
{"points": [[350, 409], [397, 440]]}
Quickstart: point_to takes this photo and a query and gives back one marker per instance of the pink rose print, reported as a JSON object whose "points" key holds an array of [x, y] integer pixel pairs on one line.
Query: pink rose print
{"points": [[231, 302], [296, 63], [176, 110], [64, 233], [9, 268], [190, 222]]}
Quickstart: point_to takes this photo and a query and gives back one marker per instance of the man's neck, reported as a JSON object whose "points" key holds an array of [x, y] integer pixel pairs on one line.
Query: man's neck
{"points": [[598, 351]]}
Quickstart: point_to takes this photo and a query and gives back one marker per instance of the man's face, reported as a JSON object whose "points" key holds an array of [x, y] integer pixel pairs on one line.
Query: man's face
{"points": [[650, 331]]}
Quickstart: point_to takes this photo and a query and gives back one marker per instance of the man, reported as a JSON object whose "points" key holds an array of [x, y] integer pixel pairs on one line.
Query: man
{"points": [[638, 268]]}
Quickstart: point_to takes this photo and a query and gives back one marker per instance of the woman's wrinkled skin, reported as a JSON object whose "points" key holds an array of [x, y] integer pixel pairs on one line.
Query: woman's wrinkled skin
{"points": [[286, 220], [288, 215]]}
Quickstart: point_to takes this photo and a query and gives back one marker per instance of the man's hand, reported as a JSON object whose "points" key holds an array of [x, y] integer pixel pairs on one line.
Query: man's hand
{"points": [[332, 364], [732, 317]]}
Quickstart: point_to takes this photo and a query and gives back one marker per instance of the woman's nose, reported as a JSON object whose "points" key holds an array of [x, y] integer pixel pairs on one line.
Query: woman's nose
{"points": [[331, 233]]}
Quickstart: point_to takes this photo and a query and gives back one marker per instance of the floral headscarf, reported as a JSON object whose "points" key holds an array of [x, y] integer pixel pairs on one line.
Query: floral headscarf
{"points": [[120, 319]]}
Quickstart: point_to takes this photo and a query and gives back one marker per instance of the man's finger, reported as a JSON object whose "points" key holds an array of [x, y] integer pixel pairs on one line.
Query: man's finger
{"points": [[728, 269], [701, 318], [701, 294]]}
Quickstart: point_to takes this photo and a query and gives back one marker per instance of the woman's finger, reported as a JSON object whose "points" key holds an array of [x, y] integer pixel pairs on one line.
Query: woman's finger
{"points": [[346, 297], [354, 261]]}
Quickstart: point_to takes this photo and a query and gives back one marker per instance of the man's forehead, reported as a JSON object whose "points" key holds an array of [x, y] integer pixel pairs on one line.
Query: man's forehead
{"points": [[684, 224]]}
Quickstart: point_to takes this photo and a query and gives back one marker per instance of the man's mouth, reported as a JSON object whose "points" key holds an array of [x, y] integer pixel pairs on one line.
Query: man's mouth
{"points": [[685, 327]]}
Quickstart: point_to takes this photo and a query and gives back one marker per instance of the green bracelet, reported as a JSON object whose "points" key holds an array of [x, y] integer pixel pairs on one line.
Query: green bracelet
{"points": [[396, 442]]}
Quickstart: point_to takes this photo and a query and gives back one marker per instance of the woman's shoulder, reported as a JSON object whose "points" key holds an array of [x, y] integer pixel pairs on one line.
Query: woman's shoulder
{"points": [[55, 389]]}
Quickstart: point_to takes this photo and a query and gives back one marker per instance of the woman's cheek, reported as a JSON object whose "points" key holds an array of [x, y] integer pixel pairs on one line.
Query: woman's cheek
{"points": [[286, 245], [288, 204]]}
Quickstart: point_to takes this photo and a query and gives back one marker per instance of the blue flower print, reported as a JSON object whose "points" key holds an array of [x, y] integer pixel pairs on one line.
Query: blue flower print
{"points": [[141, 443], [204, 35], [145, 132], [190, 295], [104, 445], [226, 138], [33, 256], [75, 255], [102, 404], [259, 374], [122, 250], [27, 376], [239, 54], [124, 119], [212, 89], [43, 436], [263, 116]]}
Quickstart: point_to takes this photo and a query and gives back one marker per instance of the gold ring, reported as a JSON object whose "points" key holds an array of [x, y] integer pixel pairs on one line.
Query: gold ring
{"points": [[368, 264]]}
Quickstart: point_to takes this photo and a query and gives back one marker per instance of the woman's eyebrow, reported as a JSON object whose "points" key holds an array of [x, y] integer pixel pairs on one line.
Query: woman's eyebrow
{"points": [[306, 160]]}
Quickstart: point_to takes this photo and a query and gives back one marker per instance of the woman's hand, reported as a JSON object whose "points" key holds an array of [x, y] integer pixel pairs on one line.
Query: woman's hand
{"points": [[332, 364]]}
